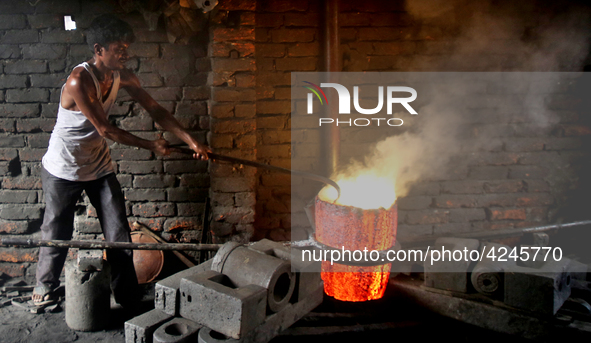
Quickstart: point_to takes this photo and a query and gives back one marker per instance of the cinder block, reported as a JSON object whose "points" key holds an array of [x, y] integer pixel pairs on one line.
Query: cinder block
{"points": [[167, 290], [178, 330], [90, 260], [542, 290], [141, 328], [449, 274], [210, 298]]}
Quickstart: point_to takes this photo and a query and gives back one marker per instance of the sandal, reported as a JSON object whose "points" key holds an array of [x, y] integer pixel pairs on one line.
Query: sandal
{"points": [[47, 296]]}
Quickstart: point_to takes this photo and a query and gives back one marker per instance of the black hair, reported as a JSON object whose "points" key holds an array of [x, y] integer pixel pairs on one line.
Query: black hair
{"points": [[106, 29]]}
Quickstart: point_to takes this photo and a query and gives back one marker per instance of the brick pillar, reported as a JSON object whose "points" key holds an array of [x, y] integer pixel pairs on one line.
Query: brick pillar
{"points": [[233, 124]]}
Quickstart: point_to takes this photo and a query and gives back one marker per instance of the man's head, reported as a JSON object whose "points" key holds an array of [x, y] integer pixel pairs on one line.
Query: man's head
{"points": [[109, 37]]}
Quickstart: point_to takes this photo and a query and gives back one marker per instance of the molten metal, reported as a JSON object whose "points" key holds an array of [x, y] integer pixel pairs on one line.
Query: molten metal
{"points": [[352, 228]]}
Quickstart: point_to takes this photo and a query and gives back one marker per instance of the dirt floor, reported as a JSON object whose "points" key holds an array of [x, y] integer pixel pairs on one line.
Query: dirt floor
{"points": [[21, 325]]}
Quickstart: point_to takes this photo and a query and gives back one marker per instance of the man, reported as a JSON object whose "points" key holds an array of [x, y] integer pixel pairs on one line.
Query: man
{"points": [[78, 156]]}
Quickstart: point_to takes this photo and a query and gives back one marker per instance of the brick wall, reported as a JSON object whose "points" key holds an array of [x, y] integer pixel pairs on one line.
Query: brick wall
{"points": [[167, 194], [231, 87], [233, 122], [288, 40], [526, 174]]}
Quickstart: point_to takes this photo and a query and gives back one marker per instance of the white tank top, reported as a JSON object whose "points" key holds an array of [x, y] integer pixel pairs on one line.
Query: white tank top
{"points": [[76, 151]]}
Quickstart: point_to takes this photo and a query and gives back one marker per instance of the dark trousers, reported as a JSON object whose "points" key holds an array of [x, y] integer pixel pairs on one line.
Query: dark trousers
{"points": [[58, 223]]}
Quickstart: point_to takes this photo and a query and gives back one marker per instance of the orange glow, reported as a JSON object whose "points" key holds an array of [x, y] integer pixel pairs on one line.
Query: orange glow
{"points": [[352, 228], [366, 191]]}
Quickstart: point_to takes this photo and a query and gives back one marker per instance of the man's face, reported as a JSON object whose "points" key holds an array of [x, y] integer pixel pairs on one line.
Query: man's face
{"points": [[115, 56]]}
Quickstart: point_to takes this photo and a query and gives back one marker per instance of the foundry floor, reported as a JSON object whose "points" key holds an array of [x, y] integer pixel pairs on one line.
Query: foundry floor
{"points": [[332, 320]]}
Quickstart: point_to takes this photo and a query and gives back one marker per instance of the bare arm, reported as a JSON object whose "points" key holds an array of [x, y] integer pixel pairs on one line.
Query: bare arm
{"points": [[164, 118], [81, 88]]}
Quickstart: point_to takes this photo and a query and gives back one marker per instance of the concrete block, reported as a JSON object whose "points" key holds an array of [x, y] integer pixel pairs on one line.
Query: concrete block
{"points": [[211, 299], [307, 272], [274, 323], [178, 330], [542, 290], [245, 266], [167, 291], [141, 328], [90, 260], [449, 274]]}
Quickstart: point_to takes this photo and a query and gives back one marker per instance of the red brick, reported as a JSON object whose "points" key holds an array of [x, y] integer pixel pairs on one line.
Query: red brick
{"points": [[304, 49], [232, 184], [276, 179], [32, 155], [355, 19], [271, 122], [234, 126], [271, 50], [35, 125], [12, 269], [285, 5], [539, 199], [221, 94], [245, 111], [247, 19], [296, 63], [237, 5], [527, 172], [276, 137], [245, 80], [222, 141], [269, 19], [161, 209], [230, 34], [233, 64], [226, 48], [292, 35], [426, 217], [391, 19], [455, 201], [18, 255], [222, 111], [380, 34], [274, 107], [504, 214], [275, 79], [262, 34], [274, 151], [302, 19], [265, 93], [512, 186], [246, 142], [265, 64], [537, 186], [394, 48], [462, 187], [14, 227], [22, 182]]}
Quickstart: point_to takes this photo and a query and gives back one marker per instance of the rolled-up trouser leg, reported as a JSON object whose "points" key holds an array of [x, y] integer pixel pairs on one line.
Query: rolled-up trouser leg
{"points": [[106, 196], [58, 223]]}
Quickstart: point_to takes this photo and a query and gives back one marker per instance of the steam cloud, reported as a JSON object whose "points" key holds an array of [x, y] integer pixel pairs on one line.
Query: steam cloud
{"points": [[506, 37]]}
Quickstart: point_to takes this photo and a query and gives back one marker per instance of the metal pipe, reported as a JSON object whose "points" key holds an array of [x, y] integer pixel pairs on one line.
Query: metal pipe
{"points": [[27, 242], [332, 64], [306, 175]]}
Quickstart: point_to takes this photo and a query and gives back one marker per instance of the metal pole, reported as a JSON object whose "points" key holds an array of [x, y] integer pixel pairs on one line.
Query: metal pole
{"points": [[332, 64], [106, 245]]}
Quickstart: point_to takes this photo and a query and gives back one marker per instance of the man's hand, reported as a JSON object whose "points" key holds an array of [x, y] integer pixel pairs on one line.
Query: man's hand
{"points": [[160, 147], [201, 151]]}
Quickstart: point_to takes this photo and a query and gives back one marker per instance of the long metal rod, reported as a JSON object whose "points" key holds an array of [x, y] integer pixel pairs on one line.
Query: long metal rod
{"points": [[106, 245], [332, 65], [218, 157], [495, 234]]}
